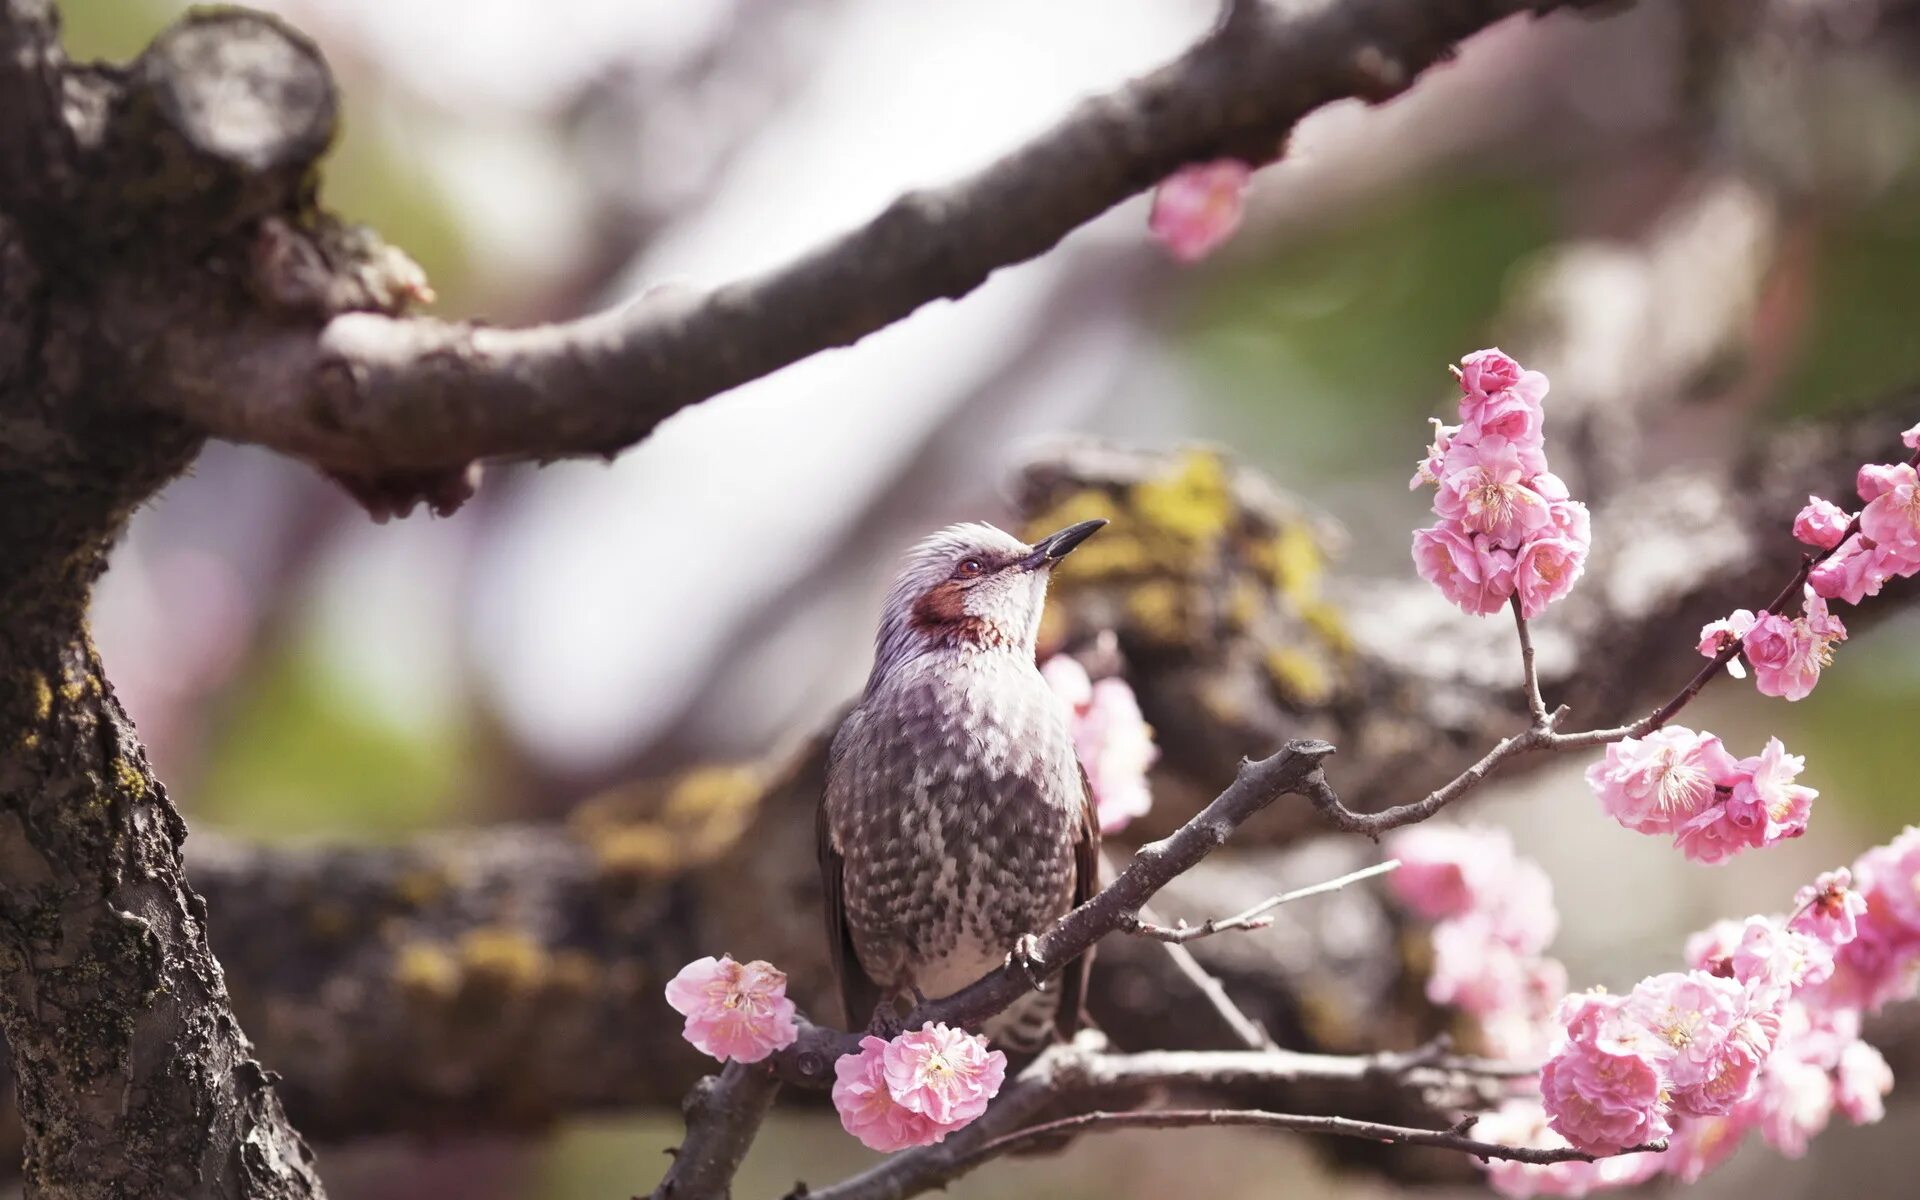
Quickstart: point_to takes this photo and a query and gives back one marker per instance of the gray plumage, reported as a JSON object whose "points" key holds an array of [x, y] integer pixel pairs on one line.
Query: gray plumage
{"points": [[956, 818]]}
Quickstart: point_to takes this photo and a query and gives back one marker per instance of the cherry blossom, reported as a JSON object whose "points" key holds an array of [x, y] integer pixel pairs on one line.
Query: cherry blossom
{"points": [[1822, 523], [736, 1011], [946, 1075], [1197, 208], [1788, 654], [1891, 518], [1468, 569], [1716, 636], [1658, 783], [1545, 570], [1486, 489], [1602, 1086], [1111, 738], [1766, 800], [867, 1108], [1829, 909]]}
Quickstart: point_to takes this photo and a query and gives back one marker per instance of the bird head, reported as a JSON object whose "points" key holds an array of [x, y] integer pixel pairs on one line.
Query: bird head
{"points": [[972, 587]]}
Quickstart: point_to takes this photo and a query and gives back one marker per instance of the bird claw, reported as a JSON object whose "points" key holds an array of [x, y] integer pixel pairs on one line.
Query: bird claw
{"points": [[885, 1023], [1026, 956]]}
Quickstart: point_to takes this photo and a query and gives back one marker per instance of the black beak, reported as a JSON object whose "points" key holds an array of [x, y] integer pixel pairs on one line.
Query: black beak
{"points": [[1056, 546]]}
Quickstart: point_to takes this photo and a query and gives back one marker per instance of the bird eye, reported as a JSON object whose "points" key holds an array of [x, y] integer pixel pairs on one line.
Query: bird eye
{"points": [[971, 566]]}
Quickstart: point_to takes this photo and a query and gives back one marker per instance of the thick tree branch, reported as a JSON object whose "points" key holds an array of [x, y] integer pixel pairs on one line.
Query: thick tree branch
{"points": [[723, 1113], [369, 393]]}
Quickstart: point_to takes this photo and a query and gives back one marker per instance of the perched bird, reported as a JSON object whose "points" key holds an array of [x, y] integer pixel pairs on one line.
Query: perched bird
{"points": [[957, 823]]}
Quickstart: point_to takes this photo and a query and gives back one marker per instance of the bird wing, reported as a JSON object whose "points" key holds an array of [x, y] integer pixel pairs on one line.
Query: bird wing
{"points": [[858, 995], [1086, 882]]}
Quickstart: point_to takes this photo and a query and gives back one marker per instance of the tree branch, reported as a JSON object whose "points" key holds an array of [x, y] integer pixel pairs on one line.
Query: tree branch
{"points": [[372, 393], [1252, 918], [724, 1113]]}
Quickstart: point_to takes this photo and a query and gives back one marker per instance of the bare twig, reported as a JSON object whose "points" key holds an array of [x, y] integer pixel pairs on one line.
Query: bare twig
{"points": [[1251, 1033], [1446, 1139], [1536, 704], [370, 392], [723, 1114], [1252, 918]]}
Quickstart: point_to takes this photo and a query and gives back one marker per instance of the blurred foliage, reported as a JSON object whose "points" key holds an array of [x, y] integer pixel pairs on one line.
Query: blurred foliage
{"points": [[1312, 355], [1859, 343], [299, 753]]}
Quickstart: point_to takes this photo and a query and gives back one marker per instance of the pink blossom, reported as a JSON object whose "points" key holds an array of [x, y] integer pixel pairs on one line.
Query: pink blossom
{"points": [[947, 1075], [1828, 908], [1716, 636], [867, 1108], [1853, 572], [1475, 970], [1486, 489], [1889, 878], [1545, 570], [1795, 1101], [1892, 517], [1821, 523], [1774, 962], [1711, 837], [1765, 798], [1499, 398], [1448, 870], [1114, 742], [1788, 654], [1602, 1089], [1198, 207], [1877, 479], [1489, 371], [1657, 783], [1711, 950], [1861, 1082], [737, 1011], [1467, 569], [1911, 438], [1699, 1144], [1524, 1123], [1700, 1040], [1571, 521], [1430, 467]]}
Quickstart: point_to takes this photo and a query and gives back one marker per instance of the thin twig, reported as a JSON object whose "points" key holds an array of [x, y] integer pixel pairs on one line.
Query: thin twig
{"points": [[1255, 917], [1251, 1033], [1406, 1135], [1535, 704]]}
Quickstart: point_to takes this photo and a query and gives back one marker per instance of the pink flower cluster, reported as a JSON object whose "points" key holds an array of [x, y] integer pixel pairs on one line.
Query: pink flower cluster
{"points": [[1197, 208], [1493, 917], [1506, 525], [917, 1088], [1859, 552], [1113, 740], [737, 1011], [1761, 1033], [1685, 784]]}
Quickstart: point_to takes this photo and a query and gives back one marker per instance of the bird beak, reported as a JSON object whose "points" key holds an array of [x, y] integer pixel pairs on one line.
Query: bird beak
{"points": [[1056, 546]]}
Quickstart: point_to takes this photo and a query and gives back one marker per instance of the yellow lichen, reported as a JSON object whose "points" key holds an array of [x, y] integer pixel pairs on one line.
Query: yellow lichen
{"points": [[1156, 609], [574, 971], [72, 687], [128, 779], [1243, 605], [1297, 564], [508, 958], [1299, 676], [422, 885], [635, 848], [1327, 623], [1192, 502], [426, 970], [42, 697]]}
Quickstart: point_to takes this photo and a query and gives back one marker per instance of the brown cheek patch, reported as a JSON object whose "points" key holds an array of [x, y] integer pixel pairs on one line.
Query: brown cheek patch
{"points": [[942, 611]]}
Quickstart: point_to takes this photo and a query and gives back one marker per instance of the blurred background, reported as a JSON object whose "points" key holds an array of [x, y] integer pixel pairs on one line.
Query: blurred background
{"points": [[1733, 184]]}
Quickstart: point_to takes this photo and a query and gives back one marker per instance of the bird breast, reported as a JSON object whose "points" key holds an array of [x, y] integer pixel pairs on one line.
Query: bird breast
{"points": [[954, 800]]}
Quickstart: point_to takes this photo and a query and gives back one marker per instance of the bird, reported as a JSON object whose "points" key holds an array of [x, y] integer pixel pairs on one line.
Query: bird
{"points": [[957, 822]]}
